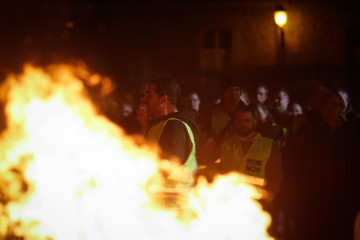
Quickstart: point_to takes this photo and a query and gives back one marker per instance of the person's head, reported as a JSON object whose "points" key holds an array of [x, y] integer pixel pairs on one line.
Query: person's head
{"points": [[162, 96], [195, 101], [126, 109], [262, 93], [297, 109], [245, 120], [139, 91], [331, 106], [281, 100], [245, 98], [315, 97], [344, 94], [231, 92]]}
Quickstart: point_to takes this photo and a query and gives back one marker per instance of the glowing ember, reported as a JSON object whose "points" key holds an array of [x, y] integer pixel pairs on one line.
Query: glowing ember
{"points": [[67, 172]]}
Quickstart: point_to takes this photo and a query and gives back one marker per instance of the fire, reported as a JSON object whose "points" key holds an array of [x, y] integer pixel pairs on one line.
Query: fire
{"points": [[67, 172]]}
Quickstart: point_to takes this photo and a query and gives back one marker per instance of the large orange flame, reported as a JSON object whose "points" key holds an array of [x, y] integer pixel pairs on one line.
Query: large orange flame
{"points": [[67, 172]]}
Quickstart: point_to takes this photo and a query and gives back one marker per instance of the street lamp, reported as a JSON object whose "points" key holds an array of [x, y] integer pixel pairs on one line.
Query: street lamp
{"points": [[280, 17]]}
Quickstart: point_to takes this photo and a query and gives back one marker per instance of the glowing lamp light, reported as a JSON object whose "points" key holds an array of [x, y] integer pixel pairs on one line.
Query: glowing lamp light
{"points": [[280, 17]]}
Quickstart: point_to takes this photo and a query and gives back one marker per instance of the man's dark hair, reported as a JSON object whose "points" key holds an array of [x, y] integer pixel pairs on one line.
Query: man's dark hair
{"points": [[247, 108], [230, 82], [168, 86]]}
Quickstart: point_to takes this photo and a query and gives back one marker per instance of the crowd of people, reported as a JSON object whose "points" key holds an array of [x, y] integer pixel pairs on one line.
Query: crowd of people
{"points": [[304, 157]]}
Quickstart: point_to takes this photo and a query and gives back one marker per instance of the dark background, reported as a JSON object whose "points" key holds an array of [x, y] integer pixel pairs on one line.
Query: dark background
{"points": [[131, 41]]}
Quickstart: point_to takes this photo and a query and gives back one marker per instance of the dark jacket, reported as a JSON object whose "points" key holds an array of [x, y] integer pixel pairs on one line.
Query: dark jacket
{"points": [[351, 114], [319, 170]]}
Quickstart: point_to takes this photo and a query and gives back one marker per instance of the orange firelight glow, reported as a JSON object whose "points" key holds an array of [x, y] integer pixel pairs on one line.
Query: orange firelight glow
{"points": [[67, 172]]}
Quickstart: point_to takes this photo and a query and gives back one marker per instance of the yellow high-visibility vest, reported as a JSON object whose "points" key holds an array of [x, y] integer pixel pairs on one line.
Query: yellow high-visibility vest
{"points": [[183, 176], [219, 120], [252, 163]]}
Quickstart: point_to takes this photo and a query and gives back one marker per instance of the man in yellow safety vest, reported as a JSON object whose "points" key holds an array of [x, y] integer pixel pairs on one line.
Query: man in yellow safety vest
{"points": [[173, 131], [249, 153]]}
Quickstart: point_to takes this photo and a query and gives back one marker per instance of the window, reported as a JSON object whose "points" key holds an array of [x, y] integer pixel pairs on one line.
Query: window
{"points": [[215, 50]]}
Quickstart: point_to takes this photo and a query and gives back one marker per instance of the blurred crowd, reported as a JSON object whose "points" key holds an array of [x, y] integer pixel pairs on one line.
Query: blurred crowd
{"points": [[309, 150]]}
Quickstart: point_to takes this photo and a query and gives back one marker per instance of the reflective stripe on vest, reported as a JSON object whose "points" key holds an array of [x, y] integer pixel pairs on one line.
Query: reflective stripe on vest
{"points": [[253, 162], [184, 175]]}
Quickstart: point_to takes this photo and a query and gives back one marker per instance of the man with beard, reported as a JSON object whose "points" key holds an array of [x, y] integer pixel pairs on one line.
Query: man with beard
{"points": [[173, 131], [249, 153]]}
